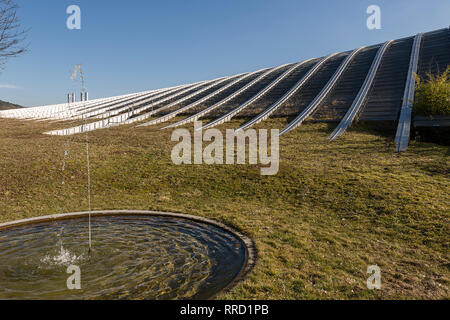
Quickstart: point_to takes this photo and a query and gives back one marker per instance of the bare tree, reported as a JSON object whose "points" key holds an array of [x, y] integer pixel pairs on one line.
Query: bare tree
{"points": [[11, 35]]}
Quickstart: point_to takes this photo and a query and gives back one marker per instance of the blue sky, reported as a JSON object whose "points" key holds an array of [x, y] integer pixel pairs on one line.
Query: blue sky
{"points": [[139, 45]]}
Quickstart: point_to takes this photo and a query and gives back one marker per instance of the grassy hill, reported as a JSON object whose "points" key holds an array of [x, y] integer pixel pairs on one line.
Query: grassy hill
{"points": [[332, 210], [4, 105]]}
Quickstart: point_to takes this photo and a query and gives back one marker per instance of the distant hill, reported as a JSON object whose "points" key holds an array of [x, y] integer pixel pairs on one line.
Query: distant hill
{"points": [[4, 105]]}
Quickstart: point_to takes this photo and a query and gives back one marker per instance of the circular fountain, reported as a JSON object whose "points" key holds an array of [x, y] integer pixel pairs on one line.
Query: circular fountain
{"points": [[135, 255]]}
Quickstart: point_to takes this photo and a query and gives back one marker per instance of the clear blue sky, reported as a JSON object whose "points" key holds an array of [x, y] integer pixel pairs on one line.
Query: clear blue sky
{"points": [[136, 45]]}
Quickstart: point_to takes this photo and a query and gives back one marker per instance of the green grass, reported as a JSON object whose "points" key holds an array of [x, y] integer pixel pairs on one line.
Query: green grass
{"points": [[433, 94], [332, 210]]}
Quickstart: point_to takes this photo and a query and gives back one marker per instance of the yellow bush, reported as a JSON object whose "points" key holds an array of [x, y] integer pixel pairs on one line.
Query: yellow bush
{"points": [[433, 94]]}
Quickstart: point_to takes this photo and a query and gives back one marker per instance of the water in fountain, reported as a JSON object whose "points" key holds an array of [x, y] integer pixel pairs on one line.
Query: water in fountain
{"points": [[136, 257]]}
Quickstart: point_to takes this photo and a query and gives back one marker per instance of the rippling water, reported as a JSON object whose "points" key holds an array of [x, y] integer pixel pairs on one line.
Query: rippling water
{"points": [[133, 257]]}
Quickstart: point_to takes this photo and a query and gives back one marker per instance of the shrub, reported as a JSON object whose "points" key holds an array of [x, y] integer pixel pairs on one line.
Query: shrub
{"points": [[433, 94]]}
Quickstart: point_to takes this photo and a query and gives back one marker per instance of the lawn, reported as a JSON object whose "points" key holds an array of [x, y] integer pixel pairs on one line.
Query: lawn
{"points": [[332, 210]]}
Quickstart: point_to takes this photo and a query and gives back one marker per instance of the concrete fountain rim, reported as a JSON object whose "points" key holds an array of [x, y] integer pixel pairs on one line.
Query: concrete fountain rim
{"points": [[250, 247]]}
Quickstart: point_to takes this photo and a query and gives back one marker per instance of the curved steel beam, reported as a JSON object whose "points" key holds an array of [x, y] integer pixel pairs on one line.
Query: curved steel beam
{"points": [[196, 103], [125, 105], [69, 109], [231, 96], [124, 118], [184, 99], [228, 116], [404, 122], [266, 113], [321, 96], [362, 94], [99, 108]]}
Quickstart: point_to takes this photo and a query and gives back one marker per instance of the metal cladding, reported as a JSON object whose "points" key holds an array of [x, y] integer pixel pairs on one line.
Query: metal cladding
{"points": [[404, 122], [374, 83]]}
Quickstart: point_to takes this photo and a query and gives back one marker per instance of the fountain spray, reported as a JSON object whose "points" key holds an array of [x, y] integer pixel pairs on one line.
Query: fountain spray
{"points": [[78, 69]]}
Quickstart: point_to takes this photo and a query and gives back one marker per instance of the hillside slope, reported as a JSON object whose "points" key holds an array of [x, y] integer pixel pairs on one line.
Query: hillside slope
{"points": [[332, 210], [4, 105]]}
